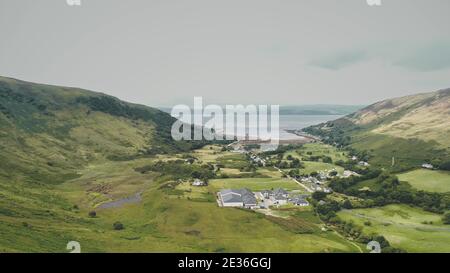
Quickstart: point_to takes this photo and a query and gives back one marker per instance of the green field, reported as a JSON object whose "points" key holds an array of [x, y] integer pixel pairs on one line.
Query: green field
{"points": [[232, 160], [255, 184], [210, 153], [312, 166], [168, 224], [427, 180], [317, 149], [403, 227], [320, 149]]}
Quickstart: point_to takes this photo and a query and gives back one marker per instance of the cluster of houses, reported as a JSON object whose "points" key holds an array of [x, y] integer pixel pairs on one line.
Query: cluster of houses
{"points": [[281, 197], [276, 197], [256, 159], [316, 187], [318, 182], [245, 198], [315, 184]]}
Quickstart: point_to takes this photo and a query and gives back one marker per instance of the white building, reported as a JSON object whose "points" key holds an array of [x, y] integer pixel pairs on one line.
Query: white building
{"points": [[299, 201], [348, 173], [363, 163], [198, 183], [278, 200]]}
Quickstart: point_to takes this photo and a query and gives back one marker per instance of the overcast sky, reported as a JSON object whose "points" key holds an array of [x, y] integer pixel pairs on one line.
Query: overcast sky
{"points": [[164, 52]]}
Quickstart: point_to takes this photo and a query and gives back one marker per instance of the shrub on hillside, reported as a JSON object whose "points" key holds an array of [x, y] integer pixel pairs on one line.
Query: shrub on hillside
{"points": [[446, 218], [347, 204], [445, 166], [319, 195], [118, 226]]}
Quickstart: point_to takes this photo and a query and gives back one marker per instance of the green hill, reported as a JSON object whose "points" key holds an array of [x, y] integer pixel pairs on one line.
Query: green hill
{"points": [[48, 135], [48, 132], [412, 129]]}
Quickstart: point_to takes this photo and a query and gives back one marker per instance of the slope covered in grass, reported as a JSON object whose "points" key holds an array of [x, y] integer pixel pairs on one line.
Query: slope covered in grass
{"points": [[50, 135], [48, 132], [427, 180], [412, 130], [406, 227]]}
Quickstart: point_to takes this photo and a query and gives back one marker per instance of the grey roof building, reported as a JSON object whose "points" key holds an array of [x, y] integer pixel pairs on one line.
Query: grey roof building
{"points": [[299, 200], [248, 197], [237, 197], [266, 193], [280, 191], [230, 196]]}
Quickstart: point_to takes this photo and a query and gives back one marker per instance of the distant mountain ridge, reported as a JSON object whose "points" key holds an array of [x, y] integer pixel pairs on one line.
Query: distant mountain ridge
{"points": [[411, 129], [319, 109], [307, 110]]}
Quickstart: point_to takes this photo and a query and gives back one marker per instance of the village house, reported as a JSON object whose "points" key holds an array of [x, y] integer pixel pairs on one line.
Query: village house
{"points": [[322, 175], [279, 196], [280, 192], [363, 163], [278, 200], [311, 179], [299, 201], [257, 159], [348, 173], [320, 188], [266, 193], [199, 183]]}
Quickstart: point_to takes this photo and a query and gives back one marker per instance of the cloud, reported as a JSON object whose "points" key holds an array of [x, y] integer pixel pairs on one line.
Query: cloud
{"points": [[430, 58], [339, 60]]}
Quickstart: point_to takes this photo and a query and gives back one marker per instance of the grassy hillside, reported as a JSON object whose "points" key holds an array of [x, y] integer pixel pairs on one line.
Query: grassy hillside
{"points": [[48, 135], [48, 132], [427, 180], [412, 130], [406, 227]]}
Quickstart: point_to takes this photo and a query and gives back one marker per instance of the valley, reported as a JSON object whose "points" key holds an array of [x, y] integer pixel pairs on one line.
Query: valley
{"points": [[83, 166]]}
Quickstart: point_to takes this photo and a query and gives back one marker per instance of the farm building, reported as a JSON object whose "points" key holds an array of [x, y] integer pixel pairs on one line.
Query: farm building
{"points": [[237, 198]]}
